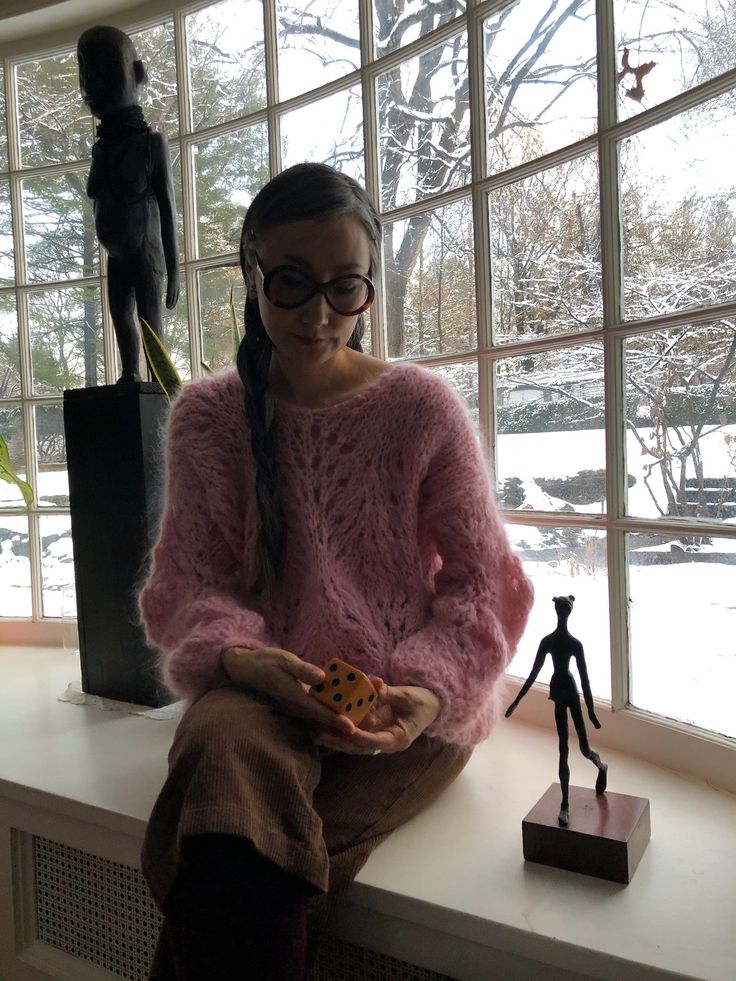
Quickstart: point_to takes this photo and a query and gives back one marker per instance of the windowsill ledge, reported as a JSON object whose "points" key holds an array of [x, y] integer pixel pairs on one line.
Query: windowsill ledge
{"points": [[449, 891]]}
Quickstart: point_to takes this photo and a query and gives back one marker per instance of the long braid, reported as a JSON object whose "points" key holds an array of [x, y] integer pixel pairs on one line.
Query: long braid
{"points": [[304, 191]]}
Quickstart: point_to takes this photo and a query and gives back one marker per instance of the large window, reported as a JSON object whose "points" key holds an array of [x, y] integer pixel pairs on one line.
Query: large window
{"points": [[559, 207]]}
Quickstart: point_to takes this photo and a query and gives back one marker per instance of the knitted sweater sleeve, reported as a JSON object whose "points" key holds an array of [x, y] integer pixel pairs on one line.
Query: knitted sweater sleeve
{"points": [[482, 596], [190, 603]]}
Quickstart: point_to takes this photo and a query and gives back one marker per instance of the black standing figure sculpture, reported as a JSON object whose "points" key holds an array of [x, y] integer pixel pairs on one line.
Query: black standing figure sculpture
{"points": [[131, 185], [564, 693]]}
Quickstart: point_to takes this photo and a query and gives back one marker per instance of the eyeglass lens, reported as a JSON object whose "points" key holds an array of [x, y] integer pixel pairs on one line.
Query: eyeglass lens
{"points": [[290, 288]]}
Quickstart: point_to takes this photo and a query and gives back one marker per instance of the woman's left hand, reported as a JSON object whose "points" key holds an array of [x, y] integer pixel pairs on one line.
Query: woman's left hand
{"points": [[402, 713]]}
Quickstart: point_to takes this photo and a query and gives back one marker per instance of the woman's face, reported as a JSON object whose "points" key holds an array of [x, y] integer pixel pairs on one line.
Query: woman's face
{"points": [[323, 249]]}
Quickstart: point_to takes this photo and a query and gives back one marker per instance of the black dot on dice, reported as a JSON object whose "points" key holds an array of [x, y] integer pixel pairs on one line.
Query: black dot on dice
{"points": [[360, 702], [349, 707], [371, 697], [319, 687], [337, 697], [333, 667], [351, 676], [335, 682]]}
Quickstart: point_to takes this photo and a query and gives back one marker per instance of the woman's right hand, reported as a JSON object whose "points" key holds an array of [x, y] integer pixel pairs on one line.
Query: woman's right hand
{"points": [[285, 679]]}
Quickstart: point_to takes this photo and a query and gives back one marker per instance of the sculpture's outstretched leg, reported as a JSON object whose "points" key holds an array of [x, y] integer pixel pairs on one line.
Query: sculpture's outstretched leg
{"points": [[590, 754], [148, 290], [564, 770]]}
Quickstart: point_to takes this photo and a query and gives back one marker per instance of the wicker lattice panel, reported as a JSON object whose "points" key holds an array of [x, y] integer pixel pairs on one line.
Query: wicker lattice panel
{"points": [[101, 912], [94, 909]]}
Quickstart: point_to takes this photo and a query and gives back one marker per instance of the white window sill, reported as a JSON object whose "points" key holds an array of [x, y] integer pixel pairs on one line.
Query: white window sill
{"points": [[449, 891]]}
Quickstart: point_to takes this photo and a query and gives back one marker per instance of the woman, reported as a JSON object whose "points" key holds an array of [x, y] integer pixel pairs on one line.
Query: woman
{"points": [[319, 502]]}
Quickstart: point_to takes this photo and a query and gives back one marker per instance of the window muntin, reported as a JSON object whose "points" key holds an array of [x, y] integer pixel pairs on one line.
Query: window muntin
{"points": [[317, 43], [550, 437], [540, 79], [3, 123], [430, 296], [678, 201], [683, 626], [329, 130], [690, 42], [564, 560], [227, 71], [54, 125], [545, 252], [424, 124]]}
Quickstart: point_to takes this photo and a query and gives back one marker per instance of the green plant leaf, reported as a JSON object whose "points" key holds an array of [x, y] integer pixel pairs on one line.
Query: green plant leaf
{"points": [[158, 357], [9, 476], [237, 336], [206, 367]]}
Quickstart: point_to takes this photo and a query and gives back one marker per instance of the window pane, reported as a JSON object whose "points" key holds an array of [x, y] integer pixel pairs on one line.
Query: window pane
{"points": [[316, 44], [11, 429], [3, 122], [7, 253], [66, 339], [60, 237], [53, 479], [681, 419], [563, 561], [155, 48], [226, 66], [551, 453], [176, 334], [464, 379], [228, 171], [218, 334], [399, 23], [679, 211], [9, 352], [55, 125], [689, 42], [430, 289], [683, 624], [424, 124], [540, 75], [15, 567], [545, 250], [57, 560], [329, 131]]}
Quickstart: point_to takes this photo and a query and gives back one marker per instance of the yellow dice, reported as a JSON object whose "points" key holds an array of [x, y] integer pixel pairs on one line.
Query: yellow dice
{"points": [[345, 690]]}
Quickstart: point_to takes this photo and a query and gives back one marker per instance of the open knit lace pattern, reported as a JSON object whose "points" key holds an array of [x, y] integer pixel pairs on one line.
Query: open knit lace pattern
{"points": [[396, 558]]}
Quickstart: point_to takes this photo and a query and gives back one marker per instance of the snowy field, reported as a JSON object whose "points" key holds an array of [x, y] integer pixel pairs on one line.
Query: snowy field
{"points": [[682, 616]]}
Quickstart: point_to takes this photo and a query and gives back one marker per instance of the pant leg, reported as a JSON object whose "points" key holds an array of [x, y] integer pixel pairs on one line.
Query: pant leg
{"points": [[362, 799], [238, 766]]}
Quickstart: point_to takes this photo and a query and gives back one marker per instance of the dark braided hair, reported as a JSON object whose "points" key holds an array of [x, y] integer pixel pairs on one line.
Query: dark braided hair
{"points": [[302, 192]]}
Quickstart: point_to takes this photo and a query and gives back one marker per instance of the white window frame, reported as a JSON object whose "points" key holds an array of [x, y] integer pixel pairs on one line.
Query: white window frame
{"points": [[633, 730]]}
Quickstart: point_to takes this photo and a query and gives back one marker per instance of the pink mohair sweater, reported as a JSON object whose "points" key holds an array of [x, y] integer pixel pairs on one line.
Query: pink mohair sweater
{"points": [[396, 557]]}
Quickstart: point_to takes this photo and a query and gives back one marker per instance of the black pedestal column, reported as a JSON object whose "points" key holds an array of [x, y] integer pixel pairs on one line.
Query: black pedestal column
{"points": [[114, 458]]}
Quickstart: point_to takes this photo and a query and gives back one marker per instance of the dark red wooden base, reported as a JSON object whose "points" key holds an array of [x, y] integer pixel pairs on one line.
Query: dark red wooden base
{"points": [[606, 836]]}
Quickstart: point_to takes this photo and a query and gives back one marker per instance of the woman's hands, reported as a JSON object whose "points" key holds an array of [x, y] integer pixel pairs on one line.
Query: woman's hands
{"points": [[401, 714], [285, 679]]}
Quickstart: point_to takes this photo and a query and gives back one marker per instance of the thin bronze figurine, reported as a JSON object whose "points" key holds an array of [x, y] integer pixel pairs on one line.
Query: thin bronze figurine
{"points": [[564, 693], [131, 185]]}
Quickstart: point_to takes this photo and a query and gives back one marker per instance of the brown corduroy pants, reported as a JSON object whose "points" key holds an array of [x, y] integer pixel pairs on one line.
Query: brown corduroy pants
{"points": [[238, 766]]}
